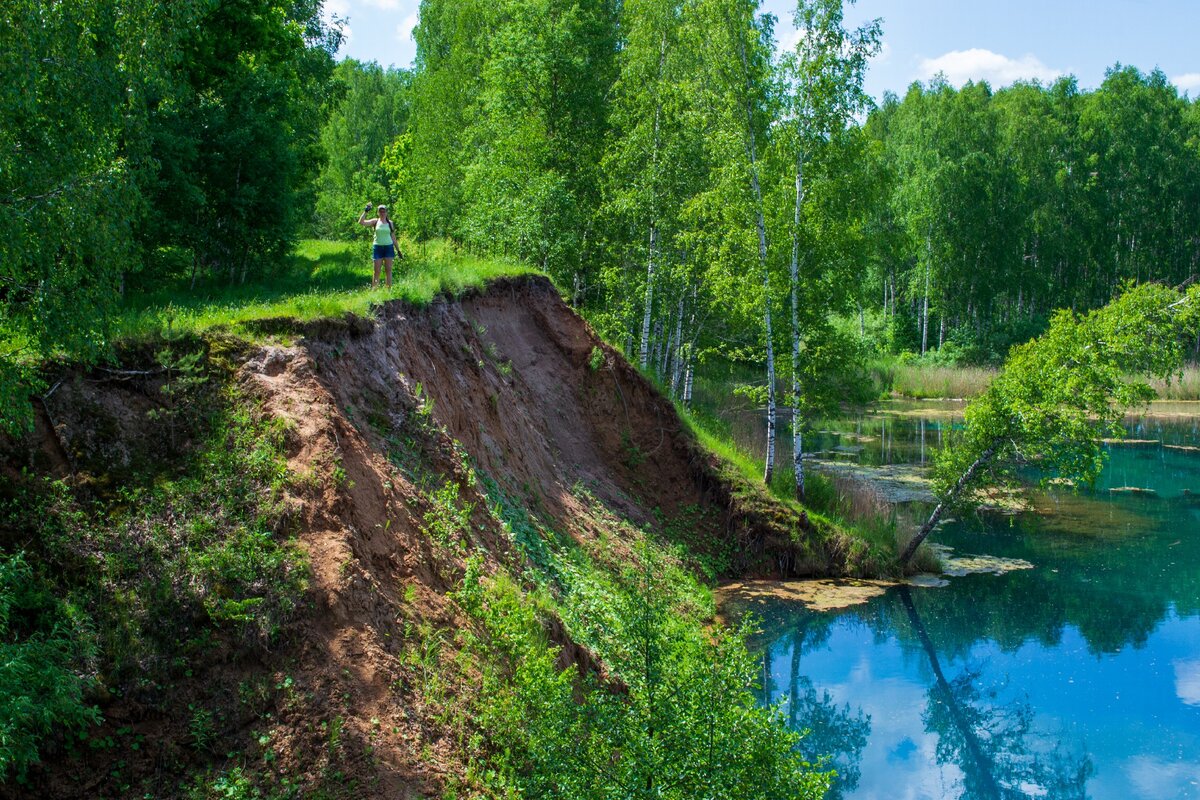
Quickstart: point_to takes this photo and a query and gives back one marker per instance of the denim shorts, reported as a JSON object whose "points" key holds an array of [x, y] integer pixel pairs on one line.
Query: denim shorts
{"points": [[384, 251]]}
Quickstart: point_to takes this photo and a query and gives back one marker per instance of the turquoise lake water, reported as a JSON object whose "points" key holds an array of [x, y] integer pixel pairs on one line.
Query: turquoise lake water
{"points": [[1077, 678]]}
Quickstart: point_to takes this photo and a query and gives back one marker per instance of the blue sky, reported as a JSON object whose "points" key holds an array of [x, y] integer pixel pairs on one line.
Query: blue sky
{"points": [[997, 40]]}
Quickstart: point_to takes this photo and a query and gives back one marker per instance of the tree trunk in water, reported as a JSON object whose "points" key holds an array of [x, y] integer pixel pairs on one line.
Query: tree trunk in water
{"points": [[644, 354], [940, 508]]}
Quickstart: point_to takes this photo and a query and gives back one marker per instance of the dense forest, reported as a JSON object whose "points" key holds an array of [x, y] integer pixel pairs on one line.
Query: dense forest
{"points": [[634, 156], [141, 141], [704, 197], [697, 191]]}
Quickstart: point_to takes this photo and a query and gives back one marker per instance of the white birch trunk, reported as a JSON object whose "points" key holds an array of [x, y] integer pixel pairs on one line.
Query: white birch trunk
{"points": [[687, 379], [676, 347], [760, 223], [688, 352], [657, 342], [925, 306], [797, 422], [644, 353]]}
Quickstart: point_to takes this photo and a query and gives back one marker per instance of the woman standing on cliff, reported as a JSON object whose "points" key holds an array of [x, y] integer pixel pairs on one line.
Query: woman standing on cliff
{"points": [[385, 242]]}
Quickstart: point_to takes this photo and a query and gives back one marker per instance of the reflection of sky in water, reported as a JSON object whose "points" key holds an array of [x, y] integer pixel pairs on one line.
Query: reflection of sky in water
{"points": [[1187, 681], [1135, 713], [1093, 654]]}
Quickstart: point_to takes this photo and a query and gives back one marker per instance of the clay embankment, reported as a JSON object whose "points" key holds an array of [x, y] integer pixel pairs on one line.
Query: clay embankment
{"points": [[378, 416]]}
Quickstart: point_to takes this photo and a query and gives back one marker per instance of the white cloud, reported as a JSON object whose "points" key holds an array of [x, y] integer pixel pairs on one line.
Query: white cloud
{"points": [[960, 66], [885, 53], [386, 5], [339, 10], [404, 31], [1153, 777], [1187, 675], [788, 42], [1187, 82]]}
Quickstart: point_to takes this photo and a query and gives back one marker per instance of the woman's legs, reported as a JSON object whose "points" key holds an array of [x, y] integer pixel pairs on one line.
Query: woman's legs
{"points": [[387, 265], [375, 280]]}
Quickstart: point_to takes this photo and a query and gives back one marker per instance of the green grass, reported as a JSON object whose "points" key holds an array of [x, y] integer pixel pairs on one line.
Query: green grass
{"points": [[929, 382], [321, 279], [1186, 387], [833, 508]]}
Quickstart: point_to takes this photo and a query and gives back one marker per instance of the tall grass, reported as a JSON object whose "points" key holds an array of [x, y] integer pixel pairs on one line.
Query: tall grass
{"points": [[1185, 387], [850, 505], [928, 382], [321, 279]]}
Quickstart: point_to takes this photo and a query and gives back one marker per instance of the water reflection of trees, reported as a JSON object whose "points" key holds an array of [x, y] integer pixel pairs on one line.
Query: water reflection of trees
{"points": [[1111, 567], [1115, 593], [836, 733], [992, 742]]}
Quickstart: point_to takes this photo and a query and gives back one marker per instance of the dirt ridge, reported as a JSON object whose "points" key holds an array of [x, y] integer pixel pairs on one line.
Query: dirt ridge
{"points": [[507, 381]]}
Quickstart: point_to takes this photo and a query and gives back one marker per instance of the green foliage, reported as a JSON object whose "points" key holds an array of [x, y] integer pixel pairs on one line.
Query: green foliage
{"points": [[448, 522], [1061, 393], [235, 784], [362, 141], [685, 726], [998, 207], [177, 556], [139, 139], [71, 103], [44, 655], [235, 132]]}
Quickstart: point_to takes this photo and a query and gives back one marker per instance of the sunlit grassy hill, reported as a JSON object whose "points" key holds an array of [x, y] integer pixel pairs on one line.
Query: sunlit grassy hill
{"points": [[321, 279]]}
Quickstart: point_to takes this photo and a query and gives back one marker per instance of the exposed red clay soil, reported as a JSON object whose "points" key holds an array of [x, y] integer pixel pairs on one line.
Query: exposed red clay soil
{"points": [[505, 378]]}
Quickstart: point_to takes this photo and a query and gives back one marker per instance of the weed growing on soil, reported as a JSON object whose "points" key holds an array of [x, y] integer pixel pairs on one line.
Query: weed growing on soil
{"points": [[150, 578], [40, 688], [685, 724], [448, 524]]}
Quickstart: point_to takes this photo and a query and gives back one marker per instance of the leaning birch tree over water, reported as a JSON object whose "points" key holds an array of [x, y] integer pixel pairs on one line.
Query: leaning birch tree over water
{"points": [[1060, 394], [825, 74]]}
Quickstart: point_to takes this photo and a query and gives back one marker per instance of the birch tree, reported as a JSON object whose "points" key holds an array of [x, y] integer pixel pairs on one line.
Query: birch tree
{"points": [[825, 74], [653, 164], [740, 94]]}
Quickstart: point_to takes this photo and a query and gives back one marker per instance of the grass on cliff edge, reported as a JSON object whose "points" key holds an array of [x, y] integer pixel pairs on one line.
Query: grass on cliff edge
{"points": [[321, 279], [872, 536]]}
